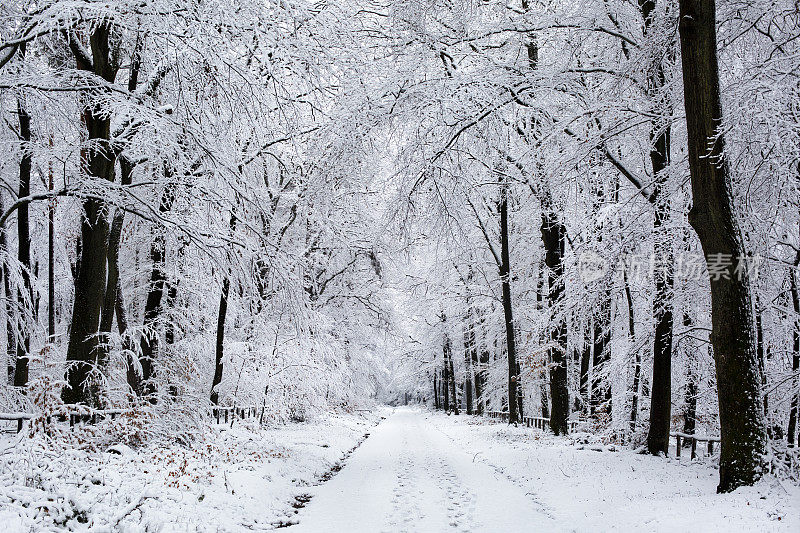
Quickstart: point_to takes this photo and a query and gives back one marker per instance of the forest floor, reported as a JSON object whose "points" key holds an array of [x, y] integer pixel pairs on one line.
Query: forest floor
{"points": [[231, 479], [422, 471], [414, 471]]}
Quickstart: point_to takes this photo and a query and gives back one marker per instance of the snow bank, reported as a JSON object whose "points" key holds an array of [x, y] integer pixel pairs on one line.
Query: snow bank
{"points": [[234, 479], [594, 488]]}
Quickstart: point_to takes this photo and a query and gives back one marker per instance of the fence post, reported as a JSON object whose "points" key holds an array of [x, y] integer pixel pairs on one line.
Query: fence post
{"points": [[678, 446], [694, 448], [19, 425], [710, 448]]}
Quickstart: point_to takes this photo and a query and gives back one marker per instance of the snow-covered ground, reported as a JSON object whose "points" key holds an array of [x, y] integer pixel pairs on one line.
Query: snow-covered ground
{"points": [[422, 471], [417, 471], [243, 478]]}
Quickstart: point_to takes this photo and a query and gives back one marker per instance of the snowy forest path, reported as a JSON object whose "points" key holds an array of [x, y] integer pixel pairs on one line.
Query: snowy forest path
{"points": [[411, 476]]}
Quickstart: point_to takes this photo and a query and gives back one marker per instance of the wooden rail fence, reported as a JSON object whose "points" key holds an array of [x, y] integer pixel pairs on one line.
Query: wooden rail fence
{"points": [[92, 417], [250, 411], [694, 439], [535, 421], [680, 438]]}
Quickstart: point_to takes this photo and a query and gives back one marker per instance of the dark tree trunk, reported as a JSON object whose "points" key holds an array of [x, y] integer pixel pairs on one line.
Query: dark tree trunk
{"points": [[544, 397], [762, 354], [436, 404], [112, 280], [153, 306], [11, 349], [637, 358], [795, 393], [741, 405], [585, 360], [476, 371], [90, 282], [661, 394], [554, 237], [690, 398], [451, 373], [601, 354], [690, 411], [469, 340], [508, 311], [132, 373], [172, 297], [115, 234], [25, 294], [221, 316], [483, 400]]}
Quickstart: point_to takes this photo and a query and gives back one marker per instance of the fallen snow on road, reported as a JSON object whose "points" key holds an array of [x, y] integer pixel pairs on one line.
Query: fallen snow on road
{"points": [[411, 476], [428, 472]]}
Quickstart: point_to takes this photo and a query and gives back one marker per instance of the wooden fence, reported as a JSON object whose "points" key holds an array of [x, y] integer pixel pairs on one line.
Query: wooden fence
{"points": [[92, 416], [250, 411], [535, 421], [693, 439], [680, 438]]}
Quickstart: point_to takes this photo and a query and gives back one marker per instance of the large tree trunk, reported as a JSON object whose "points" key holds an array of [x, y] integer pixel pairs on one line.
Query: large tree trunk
{"points": [[661, 394], [554, 237], [741, 404], [508, 311], [90, 281], [24, 294], [126, 178], [112, 280]]}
